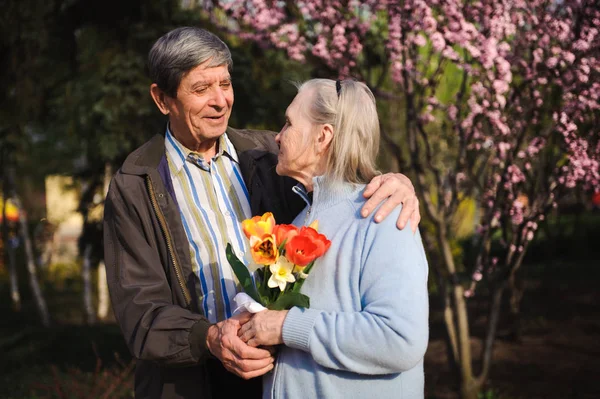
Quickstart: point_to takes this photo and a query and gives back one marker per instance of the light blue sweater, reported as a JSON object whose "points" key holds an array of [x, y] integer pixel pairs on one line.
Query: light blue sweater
{"points": [[366, 331]]}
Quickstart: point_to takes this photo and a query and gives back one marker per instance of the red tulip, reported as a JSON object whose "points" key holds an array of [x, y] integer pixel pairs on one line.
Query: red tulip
{"points": [[283, 233], [306, 246]]}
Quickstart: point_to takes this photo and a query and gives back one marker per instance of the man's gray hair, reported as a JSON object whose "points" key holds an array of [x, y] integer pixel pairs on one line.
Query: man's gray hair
{"points": [[181, 50]]}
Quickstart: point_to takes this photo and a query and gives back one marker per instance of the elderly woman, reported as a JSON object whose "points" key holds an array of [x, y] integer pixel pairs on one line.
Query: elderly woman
{"points": [[366, 331]]}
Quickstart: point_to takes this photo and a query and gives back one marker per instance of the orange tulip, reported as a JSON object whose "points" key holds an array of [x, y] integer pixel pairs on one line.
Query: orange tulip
{"points": [[283, 233], [306, 246], [259, 226], [264, 250]]}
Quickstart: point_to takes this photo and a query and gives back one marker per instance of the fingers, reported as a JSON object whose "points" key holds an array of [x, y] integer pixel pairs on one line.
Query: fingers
{"points": [[415, 219], [241, 318], [247, 334], [257, 373], [236, 356], [372, 187], [244, 351], [409, 207], [245, 328], [377, 198], [247, 368], [387, 192]]}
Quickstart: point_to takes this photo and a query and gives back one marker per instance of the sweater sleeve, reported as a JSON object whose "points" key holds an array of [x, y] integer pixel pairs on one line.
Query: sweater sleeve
{"points": [[390, 333]]}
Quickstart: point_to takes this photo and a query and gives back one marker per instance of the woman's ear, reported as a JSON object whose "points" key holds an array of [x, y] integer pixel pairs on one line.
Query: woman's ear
{"points": [[160, 98], [324, 138]]}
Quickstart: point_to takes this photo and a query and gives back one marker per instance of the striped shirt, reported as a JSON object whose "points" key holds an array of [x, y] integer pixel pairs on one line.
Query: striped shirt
{"points": [[213, 201]]}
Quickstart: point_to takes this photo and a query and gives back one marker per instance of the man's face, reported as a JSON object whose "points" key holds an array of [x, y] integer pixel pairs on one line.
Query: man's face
{"points": [[201, 111]]}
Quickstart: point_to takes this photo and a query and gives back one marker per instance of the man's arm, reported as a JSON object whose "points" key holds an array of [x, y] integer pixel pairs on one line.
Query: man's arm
{"points": [[395, 189], [154, 327]]}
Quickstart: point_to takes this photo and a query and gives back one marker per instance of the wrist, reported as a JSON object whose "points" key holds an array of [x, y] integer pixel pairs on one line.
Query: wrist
{"points": [[198, 340], [212, 334]]}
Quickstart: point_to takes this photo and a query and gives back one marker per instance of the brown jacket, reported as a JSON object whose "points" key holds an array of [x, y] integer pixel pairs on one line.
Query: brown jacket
{"points": [[150, 273]]}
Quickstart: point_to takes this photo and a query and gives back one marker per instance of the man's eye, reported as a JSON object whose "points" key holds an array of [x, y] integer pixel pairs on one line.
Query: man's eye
{"points": [[200, 90], [226, 84]]}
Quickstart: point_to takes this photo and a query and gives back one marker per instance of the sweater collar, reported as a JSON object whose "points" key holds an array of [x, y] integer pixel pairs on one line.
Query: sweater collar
{"points": [[327, 193]]}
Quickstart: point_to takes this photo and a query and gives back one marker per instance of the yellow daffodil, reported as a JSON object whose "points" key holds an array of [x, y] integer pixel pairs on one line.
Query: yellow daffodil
{"points": [[281, 273], [259, 226]]}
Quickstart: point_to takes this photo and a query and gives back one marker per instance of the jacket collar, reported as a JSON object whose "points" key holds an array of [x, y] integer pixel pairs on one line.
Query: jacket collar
{"points": [[149, 155]]}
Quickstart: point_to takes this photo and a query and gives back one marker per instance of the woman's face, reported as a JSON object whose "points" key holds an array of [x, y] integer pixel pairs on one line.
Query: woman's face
{"points": [[297, 157]]}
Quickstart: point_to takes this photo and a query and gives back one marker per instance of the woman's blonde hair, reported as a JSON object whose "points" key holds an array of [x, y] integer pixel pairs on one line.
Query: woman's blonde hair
{"points": [[352, 112]]}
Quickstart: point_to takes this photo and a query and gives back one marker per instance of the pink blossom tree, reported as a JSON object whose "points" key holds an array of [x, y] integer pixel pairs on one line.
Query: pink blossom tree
{"points": [[499, 102]]}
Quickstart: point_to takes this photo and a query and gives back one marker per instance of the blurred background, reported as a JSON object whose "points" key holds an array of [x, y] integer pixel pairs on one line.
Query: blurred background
{"points": [[491, 108]]}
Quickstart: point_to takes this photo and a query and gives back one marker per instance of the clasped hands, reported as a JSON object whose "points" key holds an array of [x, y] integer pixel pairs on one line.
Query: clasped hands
{"points": [[235, 342]]}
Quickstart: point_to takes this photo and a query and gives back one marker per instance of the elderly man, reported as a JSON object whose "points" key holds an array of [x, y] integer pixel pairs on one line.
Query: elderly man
{"points": [[171, 210]]}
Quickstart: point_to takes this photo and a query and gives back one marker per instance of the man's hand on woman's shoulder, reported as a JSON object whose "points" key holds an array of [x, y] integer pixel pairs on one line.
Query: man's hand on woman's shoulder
{"points": [[394, 189]]}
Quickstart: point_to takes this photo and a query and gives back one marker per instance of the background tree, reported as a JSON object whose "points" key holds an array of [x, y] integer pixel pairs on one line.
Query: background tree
{"points": [[498, 102]]}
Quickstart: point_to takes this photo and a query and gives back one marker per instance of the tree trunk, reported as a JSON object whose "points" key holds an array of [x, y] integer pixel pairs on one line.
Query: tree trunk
{"points": [[457, 321], [15, 295], [86, 276], [103, 298], [38, 297], [516, 290], [469, 389], [516, 287]]}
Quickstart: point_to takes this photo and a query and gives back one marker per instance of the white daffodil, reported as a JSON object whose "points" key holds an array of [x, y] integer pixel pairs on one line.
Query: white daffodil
{"points": [[281, 273]]}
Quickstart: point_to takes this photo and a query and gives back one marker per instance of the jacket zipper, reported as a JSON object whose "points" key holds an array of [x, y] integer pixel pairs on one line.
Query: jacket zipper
{"points": [[169, 241]]}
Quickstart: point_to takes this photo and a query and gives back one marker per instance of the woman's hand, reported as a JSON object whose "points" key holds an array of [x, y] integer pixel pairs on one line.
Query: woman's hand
{"points": [[394, 189], [264, 328]]}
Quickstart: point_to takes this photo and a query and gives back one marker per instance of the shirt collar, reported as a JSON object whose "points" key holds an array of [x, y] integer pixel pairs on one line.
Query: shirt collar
{"points": [[178, 153]]}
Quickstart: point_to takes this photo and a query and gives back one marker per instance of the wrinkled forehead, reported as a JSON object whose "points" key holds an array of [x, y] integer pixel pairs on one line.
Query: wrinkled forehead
{"points": [[207, 74], [301, 103]]}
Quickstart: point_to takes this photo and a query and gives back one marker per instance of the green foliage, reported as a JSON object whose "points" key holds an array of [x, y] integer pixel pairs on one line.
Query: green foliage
{"points": [[289, 300], [242, 274], [489, 394], [264, 85]]}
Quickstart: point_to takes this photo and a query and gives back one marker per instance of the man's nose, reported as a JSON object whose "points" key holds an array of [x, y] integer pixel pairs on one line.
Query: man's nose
{"points": [[218, 99]]}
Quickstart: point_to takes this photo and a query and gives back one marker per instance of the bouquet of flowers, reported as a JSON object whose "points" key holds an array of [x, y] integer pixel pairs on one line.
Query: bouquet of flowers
{"points": [[284, 254]]}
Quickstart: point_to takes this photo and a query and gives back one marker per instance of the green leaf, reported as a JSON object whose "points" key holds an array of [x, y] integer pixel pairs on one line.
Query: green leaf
{"points": [[289, 300], [243, 275], [300, 281]]}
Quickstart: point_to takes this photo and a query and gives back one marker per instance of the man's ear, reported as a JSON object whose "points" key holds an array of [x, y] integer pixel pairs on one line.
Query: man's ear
{"points": [[324, 138], [160, 98]]}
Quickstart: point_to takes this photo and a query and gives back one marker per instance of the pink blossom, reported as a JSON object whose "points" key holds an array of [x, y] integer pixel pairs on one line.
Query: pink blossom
{"points": [[437, 41], [551, 62], [452, 112]]}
